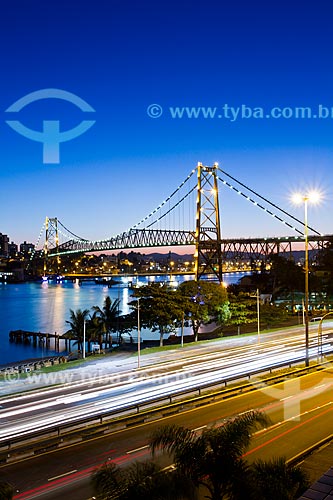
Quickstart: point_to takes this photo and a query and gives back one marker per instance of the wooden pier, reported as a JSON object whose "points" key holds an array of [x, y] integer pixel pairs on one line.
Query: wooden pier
{"points": [[38, 338]]}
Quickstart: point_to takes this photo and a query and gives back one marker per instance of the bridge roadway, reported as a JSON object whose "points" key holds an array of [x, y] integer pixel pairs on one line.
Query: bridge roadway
{"points": [[96, 395], [243, 248], [301, 414]]}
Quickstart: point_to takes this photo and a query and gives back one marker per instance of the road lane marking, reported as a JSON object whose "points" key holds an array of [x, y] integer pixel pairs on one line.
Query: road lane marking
{"points": [[162, 419], [62, 475], [286, 432], [137, 449], [199, 428]]}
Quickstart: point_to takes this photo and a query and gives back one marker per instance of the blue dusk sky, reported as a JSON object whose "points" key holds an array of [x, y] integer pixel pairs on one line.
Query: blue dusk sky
{"points": [[255, 63]]}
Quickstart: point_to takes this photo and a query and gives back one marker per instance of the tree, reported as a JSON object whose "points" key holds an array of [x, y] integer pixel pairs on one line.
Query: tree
{"points": [[126, 323], [6, 491], [213, 459], [271, 315], [140, 481], [325, 265], [76, 322], [285, 275], [96, 329], [108, 316], [160, 309], [107, 481], [203, 301], [277, 480], [242, 309]]}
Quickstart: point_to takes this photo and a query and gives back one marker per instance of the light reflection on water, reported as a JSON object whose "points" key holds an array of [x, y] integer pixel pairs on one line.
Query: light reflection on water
{"points": [[44, 307]]}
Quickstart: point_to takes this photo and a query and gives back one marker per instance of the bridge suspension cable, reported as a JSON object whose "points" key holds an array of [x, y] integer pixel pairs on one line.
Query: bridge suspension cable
{"points": [[36, 245], [70, 232], [142, 221], [226, 183], [267, 201], [172, 208], [149, 233]]}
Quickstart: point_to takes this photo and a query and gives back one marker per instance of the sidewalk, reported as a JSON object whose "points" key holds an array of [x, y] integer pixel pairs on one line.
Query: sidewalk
{"points": [[319, 467]]}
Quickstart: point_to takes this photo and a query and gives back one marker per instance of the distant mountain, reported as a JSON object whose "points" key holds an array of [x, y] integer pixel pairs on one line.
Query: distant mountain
{"points": [[298, 255], [169, 256]]}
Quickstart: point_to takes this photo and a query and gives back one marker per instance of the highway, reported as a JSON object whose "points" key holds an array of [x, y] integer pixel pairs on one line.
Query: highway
{"points": [[300, 410], [301, 413], [104, 394]]}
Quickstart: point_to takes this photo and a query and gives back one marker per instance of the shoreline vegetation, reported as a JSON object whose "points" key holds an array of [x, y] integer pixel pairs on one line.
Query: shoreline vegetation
{"points": [[61, 362]]}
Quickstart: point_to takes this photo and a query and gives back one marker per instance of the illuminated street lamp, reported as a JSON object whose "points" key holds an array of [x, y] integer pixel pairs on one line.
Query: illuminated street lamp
{"points": [[139, 333], [258, 314], [257, 297], [84, 340], [312, 197]]}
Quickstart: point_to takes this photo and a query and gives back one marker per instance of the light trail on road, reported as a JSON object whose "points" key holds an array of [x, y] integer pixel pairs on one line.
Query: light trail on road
{"points": [[285, 436], [142, 387]]}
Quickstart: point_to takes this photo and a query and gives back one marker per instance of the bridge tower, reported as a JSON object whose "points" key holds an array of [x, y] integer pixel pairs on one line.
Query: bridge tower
{"points": [[51, 239], [208, 253]]}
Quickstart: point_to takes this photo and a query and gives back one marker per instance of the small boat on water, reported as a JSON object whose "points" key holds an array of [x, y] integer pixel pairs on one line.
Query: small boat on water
{"points": [[107, 281]]}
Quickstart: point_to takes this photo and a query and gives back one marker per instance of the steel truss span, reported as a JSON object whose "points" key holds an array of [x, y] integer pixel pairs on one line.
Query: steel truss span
{"points": [[261, 248], [137, 238], [231, 248]]}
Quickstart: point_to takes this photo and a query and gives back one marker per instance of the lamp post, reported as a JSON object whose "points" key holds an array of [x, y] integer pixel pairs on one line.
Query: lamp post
{"points": [[84, 340], [258, 314], [139, 333], [299, 198], [306, 288], [257, 297]]}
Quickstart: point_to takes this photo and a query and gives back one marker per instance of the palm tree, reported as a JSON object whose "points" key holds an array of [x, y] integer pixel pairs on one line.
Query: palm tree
{"points": [[96, 329], [6, 491], [140, 481], [277, 480], [214, 458], [108, 315], [76, 322], [107, 481]]}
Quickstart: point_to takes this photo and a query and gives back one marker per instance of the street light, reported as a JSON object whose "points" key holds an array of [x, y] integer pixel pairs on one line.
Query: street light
{"points": [[258, 314], [84, 340], [257, 297], [139, 336], [313, 197]]}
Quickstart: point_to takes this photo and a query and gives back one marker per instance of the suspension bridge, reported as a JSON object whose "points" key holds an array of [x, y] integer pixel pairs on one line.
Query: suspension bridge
{"points": [[196, 200]]}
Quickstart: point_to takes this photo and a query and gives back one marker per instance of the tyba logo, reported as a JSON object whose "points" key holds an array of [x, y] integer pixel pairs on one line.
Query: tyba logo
{"points": [[51, 137]]}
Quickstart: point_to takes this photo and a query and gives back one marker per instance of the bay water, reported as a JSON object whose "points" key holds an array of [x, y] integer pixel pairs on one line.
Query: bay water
{"points": [[44, 307]]}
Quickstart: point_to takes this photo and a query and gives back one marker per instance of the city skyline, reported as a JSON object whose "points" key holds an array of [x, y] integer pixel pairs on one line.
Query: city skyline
{"points": [[244, 61]]}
